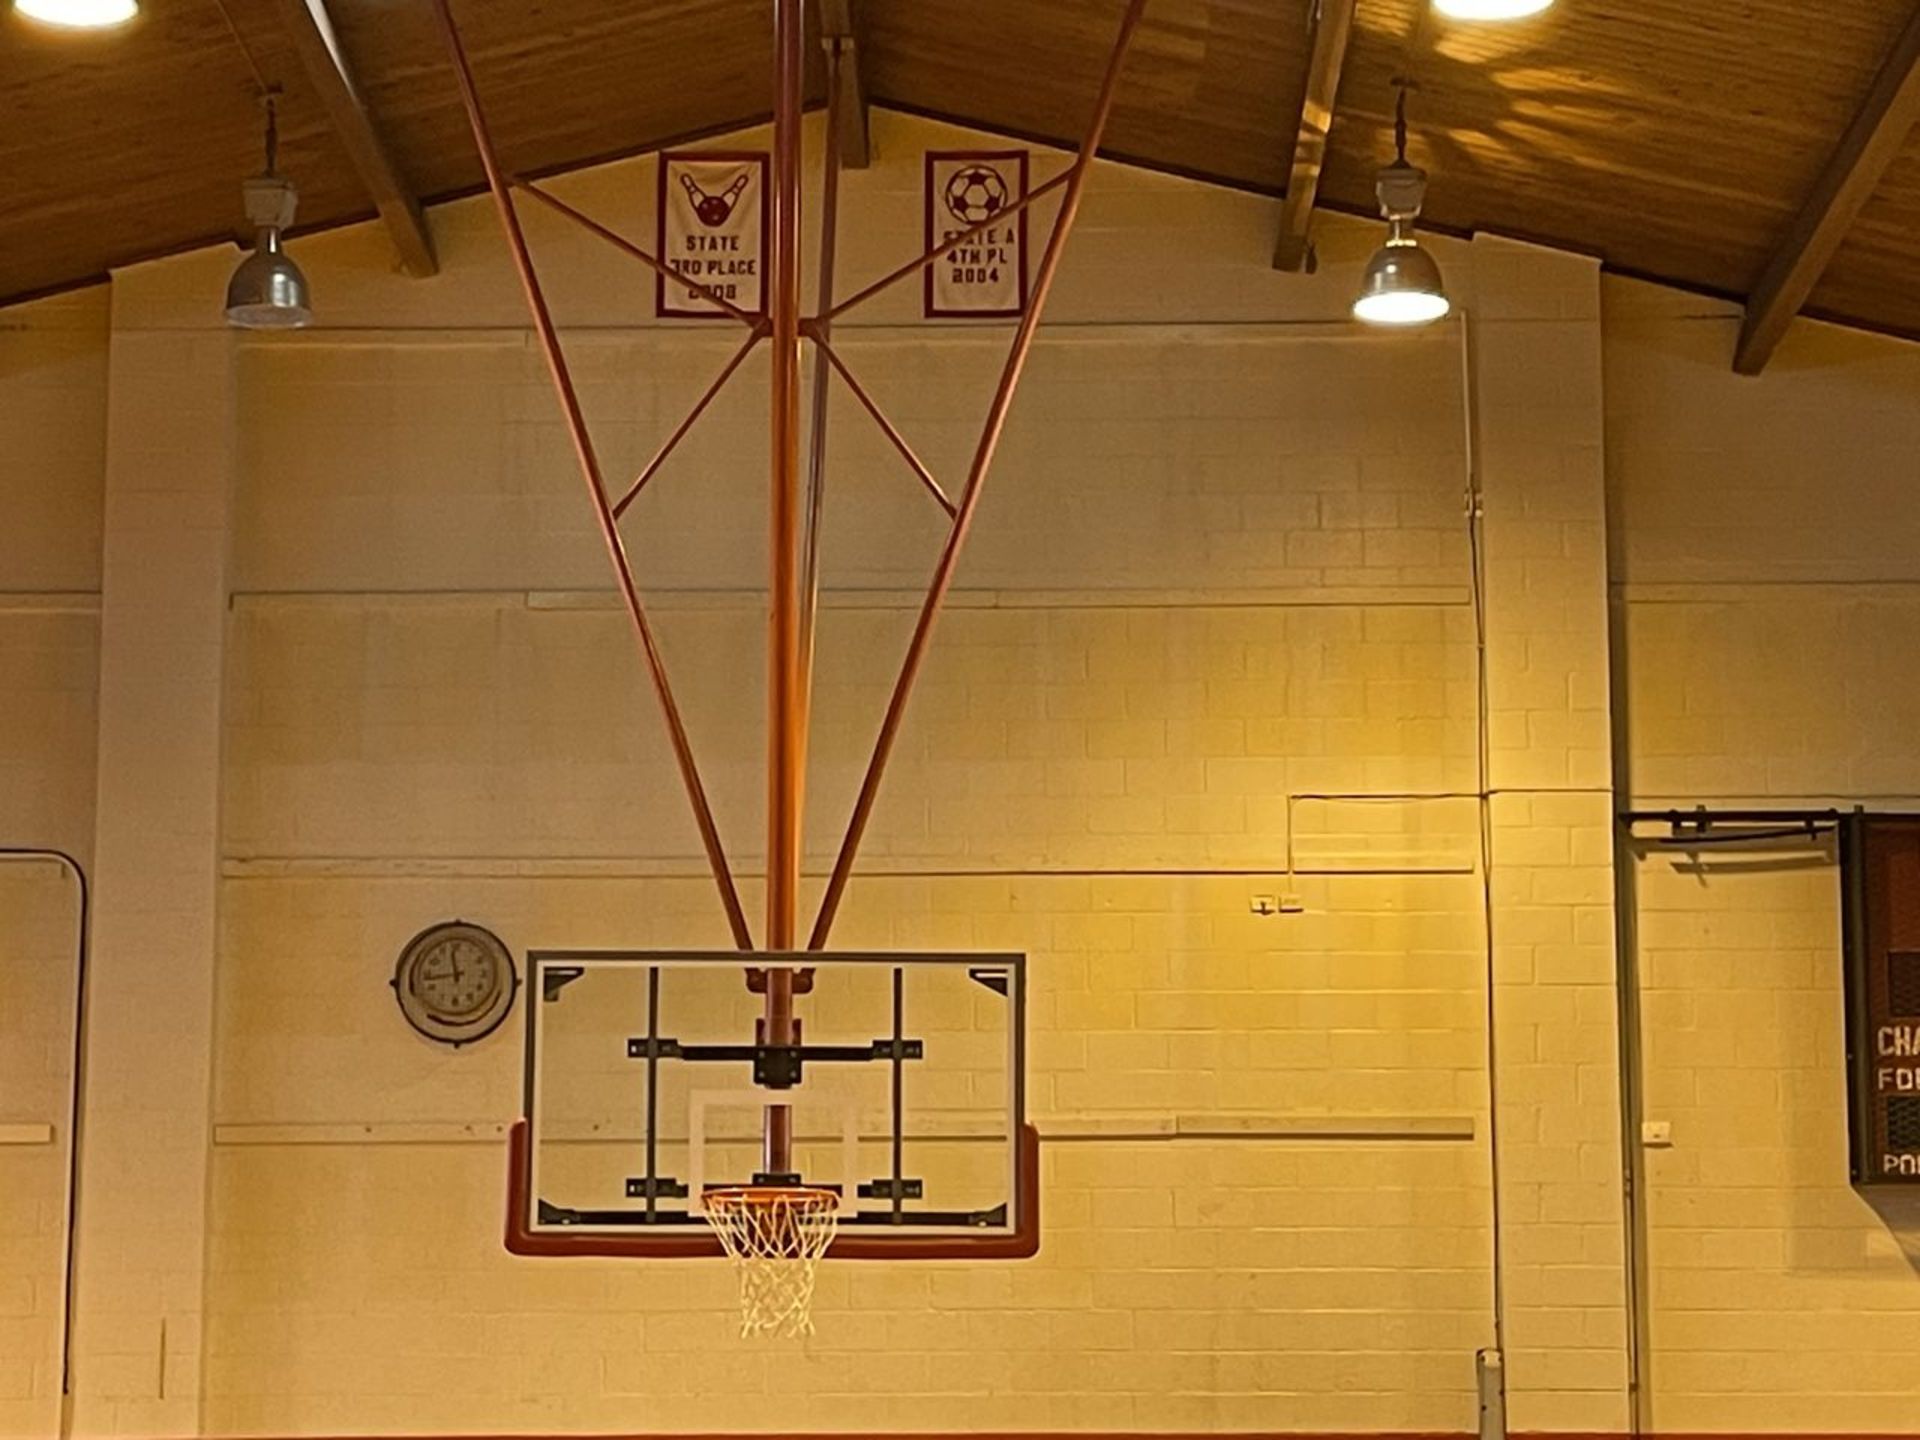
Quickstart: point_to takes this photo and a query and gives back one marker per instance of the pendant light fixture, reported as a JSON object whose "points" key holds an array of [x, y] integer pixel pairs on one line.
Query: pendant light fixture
{"points": [[79, 14], [268, 291], [1402, 284]]}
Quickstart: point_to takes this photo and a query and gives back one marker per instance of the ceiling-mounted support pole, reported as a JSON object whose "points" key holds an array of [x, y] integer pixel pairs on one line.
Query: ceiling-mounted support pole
{"points": [[1333, 24], [785, 763], [840, 37], [976, 477], [817, 427], [1878, 131], [590, 471], [310, 29]]}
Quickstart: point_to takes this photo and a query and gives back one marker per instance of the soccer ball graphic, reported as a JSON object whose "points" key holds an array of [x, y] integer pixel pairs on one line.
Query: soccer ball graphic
{"points": [[975, 193]]}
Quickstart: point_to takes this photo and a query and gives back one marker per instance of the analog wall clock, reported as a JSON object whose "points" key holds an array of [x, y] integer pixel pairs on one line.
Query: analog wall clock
{"points": [[455, 982]]}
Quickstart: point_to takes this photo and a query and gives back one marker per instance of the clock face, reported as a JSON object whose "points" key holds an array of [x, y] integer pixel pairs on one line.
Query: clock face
{"points": [[455, 982]]}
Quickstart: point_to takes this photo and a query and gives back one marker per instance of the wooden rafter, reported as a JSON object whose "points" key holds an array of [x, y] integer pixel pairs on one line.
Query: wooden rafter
{"points": [[1878, 131], [310, 28], [840, 29], [1333, 24]]}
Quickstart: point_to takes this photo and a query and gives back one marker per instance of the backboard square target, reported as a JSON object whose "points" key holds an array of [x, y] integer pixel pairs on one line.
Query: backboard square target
{"points": [[646, 1089], [813, 1146]]}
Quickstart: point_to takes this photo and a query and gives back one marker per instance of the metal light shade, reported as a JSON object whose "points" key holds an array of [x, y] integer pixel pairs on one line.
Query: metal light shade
{"points": [[1402, 286], [268, 292]]}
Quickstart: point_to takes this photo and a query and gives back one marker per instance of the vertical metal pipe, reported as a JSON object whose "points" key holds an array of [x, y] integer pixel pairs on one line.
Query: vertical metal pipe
{"points": [[976, 475], [1628, 1034], [596, 485], [898, 1095], [76, 1096], [1483, 783], [653, 1089], [784, 761]]}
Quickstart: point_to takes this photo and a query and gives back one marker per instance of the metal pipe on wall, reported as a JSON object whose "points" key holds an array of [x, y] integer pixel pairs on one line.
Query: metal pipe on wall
{"points": [[1491, 1365], [76, 1091]]}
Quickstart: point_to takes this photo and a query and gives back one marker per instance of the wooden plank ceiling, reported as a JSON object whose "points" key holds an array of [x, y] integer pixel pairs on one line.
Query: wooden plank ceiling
{"points": [[1674, 138]]}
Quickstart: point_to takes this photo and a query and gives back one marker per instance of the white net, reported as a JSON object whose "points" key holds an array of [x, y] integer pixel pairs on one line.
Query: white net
{"points": [[775, 1236]]}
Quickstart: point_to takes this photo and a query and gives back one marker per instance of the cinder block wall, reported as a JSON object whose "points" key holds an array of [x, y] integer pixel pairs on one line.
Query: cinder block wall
{"points": [[1223, 567], [52, 438], [1765, 585]]}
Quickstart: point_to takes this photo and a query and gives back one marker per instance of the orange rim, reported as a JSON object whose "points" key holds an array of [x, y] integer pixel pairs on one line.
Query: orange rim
{"points": [[799, 1197]]}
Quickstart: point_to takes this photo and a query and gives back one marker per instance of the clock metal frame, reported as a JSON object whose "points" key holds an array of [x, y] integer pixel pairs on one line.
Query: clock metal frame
{"points": [[439, 1025]]}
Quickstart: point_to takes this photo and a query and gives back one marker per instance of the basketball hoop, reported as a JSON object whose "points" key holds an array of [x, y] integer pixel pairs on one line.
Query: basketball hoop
{"points": [[775, 1236]]}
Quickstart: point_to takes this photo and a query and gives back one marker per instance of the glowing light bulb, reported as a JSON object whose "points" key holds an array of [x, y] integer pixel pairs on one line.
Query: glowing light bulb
{"points": [[79, 14], [1493, 10], [1402, 308]]}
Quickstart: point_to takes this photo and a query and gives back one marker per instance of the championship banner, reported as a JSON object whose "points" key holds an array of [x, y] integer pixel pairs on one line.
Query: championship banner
{"points": [[713, 229], [986, 275]]}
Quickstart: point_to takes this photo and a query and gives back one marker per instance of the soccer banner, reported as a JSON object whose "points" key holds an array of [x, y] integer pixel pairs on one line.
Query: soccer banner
{"points": [[986, 274], [713, 229]]}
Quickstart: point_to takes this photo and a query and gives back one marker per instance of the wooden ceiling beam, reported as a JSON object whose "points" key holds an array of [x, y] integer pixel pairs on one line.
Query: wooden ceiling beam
{"points": [[310, 28], [840, 29], [1332, 26], [1878, 131]]}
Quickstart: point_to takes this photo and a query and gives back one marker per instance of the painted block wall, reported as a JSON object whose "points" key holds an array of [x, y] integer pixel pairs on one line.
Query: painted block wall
{"points": [[52, 438], [1224, 566], [1535, 341], [37, 960], [53, 370], [1764, 582]]}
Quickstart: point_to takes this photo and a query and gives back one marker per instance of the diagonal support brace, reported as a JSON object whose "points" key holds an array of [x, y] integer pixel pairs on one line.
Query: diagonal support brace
{"points": [[970, 498], [590, 471]]}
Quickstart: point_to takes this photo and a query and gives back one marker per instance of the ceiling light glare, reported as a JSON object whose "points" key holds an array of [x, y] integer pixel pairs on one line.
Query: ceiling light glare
{"points": [[79, 14], [1491, 10], [1401, 307]]}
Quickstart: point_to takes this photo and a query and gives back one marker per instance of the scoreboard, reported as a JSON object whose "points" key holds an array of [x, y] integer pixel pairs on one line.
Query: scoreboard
{"points": [[1882, 874]]}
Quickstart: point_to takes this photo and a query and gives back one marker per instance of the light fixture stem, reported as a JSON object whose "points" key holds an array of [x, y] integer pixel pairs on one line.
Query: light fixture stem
{"points": [[1400, 124], [273, 136]]}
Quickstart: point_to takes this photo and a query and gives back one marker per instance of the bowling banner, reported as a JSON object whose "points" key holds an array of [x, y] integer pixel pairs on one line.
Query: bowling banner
{"points": [[713, 229], [985, 275]]}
